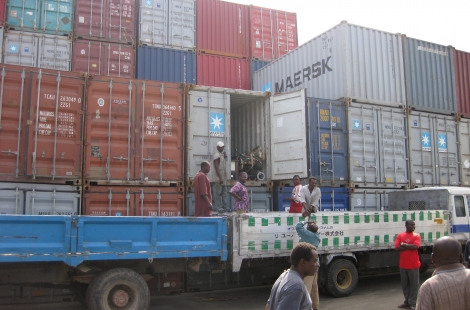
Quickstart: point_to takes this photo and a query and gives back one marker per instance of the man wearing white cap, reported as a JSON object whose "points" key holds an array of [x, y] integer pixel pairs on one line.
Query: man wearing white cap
{"points": [[219, 179]]}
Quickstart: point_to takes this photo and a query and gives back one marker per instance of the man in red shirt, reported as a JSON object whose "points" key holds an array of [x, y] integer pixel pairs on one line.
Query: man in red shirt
{"points": [[408, 243], [202, 191]]}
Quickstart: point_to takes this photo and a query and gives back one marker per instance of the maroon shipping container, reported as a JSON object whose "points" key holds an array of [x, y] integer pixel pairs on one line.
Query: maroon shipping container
{"points": [[134, 132], [223, 28], [41, 121], [221, 71], [166, 283], [462, 81], [106, 20], [101, 58], [3, 10], [133, 201], [272, 33]]}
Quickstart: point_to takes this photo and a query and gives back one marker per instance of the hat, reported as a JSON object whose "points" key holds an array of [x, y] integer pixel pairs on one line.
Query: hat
{"points": [[220, 144]]}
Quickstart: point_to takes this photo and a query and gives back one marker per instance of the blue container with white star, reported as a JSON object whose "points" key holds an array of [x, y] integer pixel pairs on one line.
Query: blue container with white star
{"points": [[41, 16]]}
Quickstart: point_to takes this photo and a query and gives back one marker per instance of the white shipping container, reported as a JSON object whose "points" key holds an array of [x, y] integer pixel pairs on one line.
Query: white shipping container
{"points": [[20, 48], [347, 61], [54, 52]]}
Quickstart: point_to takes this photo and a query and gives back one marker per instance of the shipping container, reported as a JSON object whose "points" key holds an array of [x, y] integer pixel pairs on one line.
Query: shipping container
{"points": [[106, 20], [351, 61], [378, 146], [255, 65], [464, 151], [106, 59], [132, 201], [166, 65], [434, 150], [362, 200], [42, 126], [134, 132], [462, 81], [223, 28], [221, 71], [332, 199], [3, 10], [272, 33], [2, 31], [429, 75], [264, 136], [44, 16], [37, 50], [328, 128], [39, 199]]}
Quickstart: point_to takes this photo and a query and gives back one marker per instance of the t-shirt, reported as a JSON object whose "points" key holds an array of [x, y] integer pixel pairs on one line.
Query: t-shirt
{"points": [[222, 168], [289, 293], [202, 186], [295, 204], [409, 259]]}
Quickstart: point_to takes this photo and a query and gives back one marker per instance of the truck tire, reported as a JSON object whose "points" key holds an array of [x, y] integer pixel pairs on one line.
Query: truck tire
{"points": [[118, 288], [341, 278]]}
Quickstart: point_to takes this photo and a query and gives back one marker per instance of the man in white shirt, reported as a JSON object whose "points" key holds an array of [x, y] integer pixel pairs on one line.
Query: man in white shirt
{"points": [[219, 179], [310, 196]]}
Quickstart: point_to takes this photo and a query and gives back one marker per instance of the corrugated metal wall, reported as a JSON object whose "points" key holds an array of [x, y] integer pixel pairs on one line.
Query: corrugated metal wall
{"points": [[462, 81]]}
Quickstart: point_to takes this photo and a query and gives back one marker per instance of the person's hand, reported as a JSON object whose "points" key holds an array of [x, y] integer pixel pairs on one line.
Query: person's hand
{"points": [[210, 207], [306, 213], [238, 198], [225, 155], [221, 181]]}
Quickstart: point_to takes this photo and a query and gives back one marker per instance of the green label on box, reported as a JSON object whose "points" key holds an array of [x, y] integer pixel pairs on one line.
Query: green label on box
{"points": [[421, 216], [264, 245], [346, 218], [366, 218], [367, 240], [386, 238], [395, 218], [357, 219], [277, 220], [429, 216], [438, 234], [251, 222], [251, 245], [335, 219], [290, 244], [277, 244], [438, 214], [386, 217], [324, 220], [376, 218], [357, 239], [413, 216], [377, 240], [336, 242], [324, 242], [403, 217], [430, 236], [290, 221], [264, 222], [422, 236], [346, 240], [313, 218]]}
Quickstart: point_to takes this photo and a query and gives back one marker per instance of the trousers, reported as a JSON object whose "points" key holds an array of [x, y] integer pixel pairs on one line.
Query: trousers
{"points": [[410, 285], [311, 282]]}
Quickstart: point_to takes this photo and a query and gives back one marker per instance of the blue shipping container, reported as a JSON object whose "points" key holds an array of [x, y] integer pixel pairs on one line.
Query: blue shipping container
{"points": [[254, 66], [166, 65], [43, 16], [328, 143], [332, 199]]}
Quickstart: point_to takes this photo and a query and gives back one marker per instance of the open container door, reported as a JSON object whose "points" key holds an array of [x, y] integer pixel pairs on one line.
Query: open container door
{"points": [[289, 136]]}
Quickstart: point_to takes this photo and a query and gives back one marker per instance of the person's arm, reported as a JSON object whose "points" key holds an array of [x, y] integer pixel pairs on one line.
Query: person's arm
{"points": [[398, 246], [291, 299], [413, 246], [303, 201], [425, 300], [234, 192], [216, 167], [206, 199]]}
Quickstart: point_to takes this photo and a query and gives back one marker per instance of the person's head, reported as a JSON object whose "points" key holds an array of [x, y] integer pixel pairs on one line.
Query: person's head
{"points": [[304, 259], [312, 227], [446, 251], [242, 177], [410, 225], [205, 167], [220, 146], [296, 180], [312, 182]]}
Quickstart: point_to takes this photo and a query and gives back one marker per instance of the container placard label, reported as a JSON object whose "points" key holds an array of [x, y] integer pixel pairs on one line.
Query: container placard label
{"points": [[217, 124], [357, 125], [426, 141], [442, 142]]}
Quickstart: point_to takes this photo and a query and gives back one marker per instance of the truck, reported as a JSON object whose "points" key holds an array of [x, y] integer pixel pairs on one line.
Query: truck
{"points": [[107, 261]]}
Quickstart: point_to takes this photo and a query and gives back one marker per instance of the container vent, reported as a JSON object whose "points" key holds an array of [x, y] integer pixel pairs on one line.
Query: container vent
{"points": [[417, 205]]}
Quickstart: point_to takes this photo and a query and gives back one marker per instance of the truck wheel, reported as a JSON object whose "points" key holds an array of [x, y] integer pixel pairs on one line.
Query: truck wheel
{"points": [[341, 278], [118, 288]]}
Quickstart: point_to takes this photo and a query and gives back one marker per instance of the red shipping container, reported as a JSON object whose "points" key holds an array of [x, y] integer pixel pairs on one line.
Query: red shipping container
{"points": [[272, 33], [134, 132], [223, 28], [166, 283], [462, 81], [41, 120], [106, 20], [132, 201], [101, 58], [3, 10], [220, 71]]}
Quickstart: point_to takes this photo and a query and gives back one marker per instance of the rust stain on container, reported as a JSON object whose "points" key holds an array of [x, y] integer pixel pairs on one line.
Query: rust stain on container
{"points": [[132, 201], [462, 81], [101, 58], [134, 132], [41, 125]]}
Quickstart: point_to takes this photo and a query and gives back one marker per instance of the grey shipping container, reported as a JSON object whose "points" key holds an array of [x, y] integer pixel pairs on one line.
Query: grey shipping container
{"points": [[369, 199], [255, 65], [434, 150], [39, 199], [378, 156], [271, 128], [20, 48], [1, 44], [464, 151], [430, 79], [346, 61]]}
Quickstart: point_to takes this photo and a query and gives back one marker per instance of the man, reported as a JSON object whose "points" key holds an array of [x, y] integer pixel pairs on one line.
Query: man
{"points": [[466, 256], [449, 286], [240, 194], [295, 204], [289, 291], [407, 243], [310, 235], [309, 196], [219, 179], [202, 191]]}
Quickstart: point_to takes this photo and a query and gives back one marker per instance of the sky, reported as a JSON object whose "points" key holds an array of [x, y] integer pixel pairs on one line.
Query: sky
{"points": [[444, 22]]}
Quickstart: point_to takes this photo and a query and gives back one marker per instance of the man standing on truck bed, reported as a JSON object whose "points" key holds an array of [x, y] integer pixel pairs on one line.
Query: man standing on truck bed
{"points": [[449, 286], [408, 243], [295, 204], [219, 179], [312, 236], [310, 195], [202, 191]]}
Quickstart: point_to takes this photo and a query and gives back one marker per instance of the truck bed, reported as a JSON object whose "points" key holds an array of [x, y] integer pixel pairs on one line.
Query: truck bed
{"points": [[74, 239]]}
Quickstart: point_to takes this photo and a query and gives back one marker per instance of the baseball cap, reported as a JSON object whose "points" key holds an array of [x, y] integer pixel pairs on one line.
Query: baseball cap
{"points": [[220, 144]]}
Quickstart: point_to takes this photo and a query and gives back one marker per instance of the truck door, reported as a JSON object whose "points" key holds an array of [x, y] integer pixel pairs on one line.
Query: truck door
{"points": [[288, 136], [460, 217]]}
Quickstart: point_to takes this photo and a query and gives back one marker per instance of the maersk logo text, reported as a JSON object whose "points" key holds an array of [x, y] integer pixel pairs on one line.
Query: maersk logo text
{"points": [[309, 73]]}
